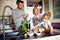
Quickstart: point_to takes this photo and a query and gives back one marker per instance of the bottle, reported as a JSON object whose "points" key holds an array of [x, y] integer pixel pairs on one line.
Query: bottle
{"points": [[26, 35]]}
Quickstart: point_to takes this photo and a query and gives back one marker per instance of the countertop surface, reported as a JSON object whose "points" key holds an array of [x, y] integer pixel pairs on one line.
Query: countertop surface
{"points": [[14, 34]]}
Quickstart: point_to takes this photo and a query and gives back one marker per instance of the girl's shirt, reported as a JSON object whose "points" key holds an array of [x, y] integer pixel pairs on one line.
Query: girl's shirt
{"points": [[44, 24]]}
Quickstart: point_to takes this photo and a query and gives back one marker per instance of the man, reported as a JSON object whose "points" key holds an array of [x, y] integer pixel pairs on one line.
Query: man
{"points": [[18, 14]]}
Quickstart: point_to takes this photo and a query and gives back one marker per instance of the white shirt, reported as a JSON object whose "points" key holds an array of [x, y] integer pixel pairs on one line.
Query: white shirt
{"points": [[44, 24]]}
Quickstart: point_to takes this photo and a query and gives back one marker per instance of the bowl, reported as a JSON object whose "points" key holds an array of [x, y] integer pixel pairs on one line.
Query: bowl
{"points": [[38, 34], [30, 34]]}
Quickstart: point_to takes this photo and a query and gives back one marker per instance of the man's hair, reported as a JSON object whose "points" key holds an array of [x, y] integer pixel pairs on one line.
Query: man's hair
{"points": [[19, 1]]}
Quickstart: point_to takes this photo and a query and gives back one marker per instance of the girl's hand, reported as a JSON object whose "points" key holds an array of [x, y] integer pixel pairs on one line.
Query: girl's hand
{"points": [[33, 28], [51, 33]]}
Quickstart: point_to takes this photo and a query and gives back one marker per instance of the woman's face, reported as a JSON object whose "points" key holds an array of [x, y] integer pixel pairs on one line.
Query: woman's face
{"points": [[36, 11]]}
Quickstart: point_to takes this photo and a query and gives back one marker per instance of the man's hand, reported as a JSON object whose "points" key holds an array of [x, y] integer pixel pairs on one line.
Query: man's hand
{"points": [[25, 15]]}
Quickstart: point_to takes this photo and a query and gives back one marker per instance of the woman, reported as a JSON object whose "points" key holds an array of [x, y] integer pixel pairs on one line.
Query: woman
{"points": [[36, 19]]}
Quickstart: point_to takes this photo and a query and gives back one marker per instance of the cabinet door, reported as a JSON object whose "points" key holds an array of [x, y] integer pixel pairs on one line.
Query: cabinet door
{"points": [[58, 37], [47, 38], [56, 9]]}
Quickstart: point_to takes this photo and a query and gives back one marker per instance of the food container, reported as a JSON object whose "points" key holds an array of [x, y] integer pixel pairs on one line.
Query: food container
{"points": [[30, 33]]}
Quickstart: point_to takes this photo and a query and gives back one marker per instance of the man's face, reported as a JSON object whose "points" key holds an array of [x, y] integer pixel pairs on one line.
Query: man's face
{"points": [[20, 5]]}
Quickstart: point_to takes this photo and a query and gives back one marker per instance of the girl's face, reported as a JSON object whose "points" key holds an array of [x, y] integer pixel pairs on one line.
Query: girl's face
{"points": [[45, 19], [36, 11]]}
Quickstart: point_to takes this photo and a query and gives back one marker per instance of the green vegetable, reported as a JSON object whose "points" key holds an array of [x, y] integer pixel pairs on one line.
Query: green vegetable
{"points": [[23, 28]]}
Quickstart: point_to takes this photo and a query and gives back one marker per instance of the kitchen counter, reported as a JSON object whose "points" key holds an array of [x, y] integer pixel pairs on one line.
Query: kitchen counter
{"points": [[56, 37], [14, 35]]}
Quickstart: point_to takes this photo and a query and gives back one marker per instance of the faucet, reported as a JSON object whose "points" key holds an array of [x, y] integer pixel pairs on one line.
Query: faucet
{"points": [[5, 9], [3, 19], [7, 6]]}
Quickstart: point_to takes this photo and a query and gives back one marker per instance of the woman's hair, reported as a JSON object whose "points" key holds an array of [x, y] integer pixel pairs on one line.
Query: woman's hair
{"points": [[35, 8], [46, 14]]}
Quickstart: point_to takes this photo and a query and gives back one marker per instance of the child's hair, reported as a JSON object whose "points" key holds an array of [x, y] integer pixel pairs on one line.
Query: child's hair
{"points": [[47, 14], [35, 8]]}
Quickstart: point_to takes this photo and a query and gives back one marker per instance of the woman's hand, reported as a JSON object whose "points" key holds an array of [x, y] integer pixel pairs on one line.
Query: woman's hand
{"points": [[35, 18]]}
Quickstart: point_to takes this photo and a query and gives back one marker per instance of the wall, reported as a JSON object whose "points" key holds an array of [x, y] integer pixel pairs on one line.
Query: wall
{"points": [[51, 10], [3, 3], [0, 7], [55, 22]]}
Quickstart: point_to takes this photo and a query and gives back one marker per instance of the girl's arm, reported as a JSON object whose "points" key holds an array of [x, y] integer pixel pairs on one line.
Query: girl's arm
{"points": [[38, 25], [51, 29]]}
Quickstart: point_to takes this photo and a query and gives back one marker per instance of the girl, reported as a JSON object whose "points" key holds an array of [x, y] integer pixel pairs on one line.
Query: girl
{"points": [[45, 25]]}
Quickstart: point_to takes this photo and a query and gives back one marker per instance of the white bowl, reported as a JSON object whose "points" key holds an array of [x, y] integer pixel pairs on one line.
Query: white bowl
{"points": [[30, 34], [38, 34]]}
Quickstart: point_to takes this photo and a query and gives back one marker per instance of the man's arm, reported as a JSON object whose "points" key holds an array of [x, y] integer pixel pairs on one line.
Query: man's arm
{"points": [[16, 19]]}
